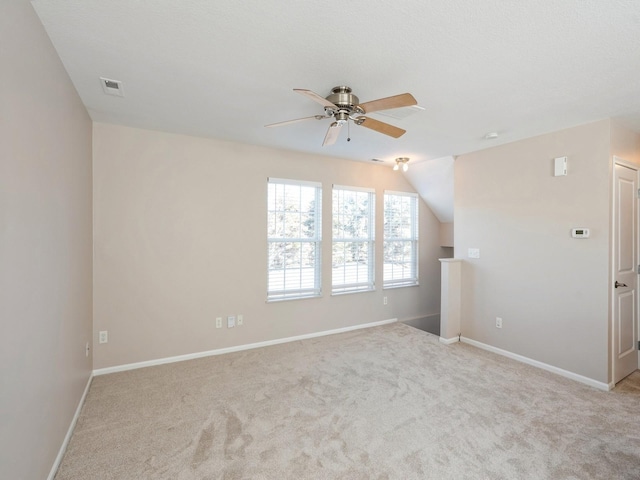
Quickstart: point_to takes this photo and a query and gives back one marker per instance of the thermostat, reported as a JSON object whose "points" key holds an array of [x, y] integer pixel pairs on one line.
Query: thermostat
{"points": [[580, 233]]}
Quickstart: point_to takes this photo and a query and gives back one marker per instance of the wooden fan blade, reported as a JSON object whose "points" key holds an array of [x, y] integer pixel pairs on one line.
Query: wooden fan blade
{"points": [[397, 101], [381, 127], [332, 134], [279, 124], [315, 97]]}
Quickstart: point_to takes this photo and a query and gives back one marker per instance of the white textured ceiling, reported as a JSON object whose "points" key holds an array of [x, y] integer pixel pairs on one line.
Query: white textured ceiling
{"points": [[224, 69]]}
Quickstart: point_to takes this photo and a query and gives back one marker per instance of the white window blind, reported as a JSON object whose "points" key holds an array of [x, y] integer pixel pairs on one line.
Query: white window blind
{"points": [[352, 259], [294, 237], [400, 239]]}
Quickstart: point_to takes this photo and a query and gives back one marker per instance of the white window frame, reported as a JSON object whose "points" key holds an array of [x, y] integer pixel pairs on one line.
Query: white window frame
{"points": [[295, 281], [392, 240], [358, 284]]}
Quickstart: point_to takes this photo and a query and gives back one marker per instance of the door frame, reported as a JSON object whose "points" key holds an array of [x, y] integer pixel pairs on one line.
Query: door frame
{"points": [[624, 163]]}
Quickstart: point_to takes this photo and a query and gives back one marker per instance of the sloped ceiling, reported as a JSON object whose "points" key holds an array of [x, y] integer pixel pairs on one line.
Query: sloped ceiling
{"points": [[433, 180], [225, 69]]}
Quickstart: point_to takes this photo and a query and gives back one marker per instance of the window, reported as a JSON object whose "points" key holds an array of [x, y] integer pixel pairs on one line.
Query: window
{"points": [[294, 237], [353, 239], [400, 239]]}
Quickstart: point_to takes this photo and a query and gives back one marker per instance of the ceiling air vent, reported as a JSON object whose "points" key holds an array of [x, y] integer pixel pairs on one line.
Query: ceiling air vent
{"points": [[112, 87], [377, 160]]}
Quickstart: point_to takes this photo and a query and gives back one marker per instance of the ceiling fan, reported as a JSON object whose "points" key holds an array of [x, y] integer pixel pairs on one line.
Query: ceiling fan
{"points": [[341, 105]]}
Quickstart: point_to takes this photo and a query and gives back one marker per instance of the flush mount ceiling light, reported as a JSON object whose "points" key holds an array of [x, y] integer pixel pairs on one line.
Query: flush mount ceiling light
{"points": [[401, 161], [491, 136]]}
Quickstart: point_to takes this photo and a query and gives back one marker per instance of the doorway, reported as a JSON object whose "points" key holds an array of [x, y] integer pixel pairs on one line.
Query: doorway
{"points": [[625, 270]]}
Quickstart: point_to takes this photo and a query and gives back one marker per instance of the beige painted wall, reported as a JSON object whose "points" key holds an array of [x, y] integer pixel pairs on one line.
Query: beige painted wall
{"points": [[625, 143], [45, 247], [551, 290], [180, 238], [446, 234]]}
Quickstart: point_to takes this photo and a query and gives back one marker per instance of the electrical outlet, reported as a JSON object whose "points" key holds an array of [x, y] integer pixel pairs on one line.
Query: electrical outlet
{"points": [[384, 300], [86, 350], [240, 319], [103, 336], [231, 321], [498, 322], [218, 322]]}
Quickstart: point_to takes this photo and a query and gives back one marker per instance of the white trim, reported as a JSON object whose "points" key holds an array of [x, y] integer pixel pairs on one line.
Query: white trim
{"points": [[624, 163], [353, 189], [65, 442], [449, 341], [612, 253], [412, 240], [273, 208], [290, 181], [367, 241], [535, 363], [238, 348], [406, 194], [397, 284]]}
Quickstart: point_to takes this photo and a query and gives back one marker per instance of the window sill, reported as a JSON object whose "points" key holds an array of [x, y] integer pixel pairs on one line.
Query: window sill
{"points": [[278, 300], [391, 287], [338, 294]]}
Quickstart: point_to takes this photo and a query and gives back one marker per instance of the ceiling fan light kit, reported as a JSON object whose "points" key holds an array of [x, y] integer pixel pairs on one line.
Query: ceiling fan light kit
{"points": [[342, 105], [401, 162]]}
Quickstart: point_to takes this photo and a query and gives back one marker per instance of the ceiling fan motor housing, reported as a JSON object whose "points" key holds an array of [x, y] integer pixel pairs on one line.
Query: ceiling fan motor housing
{"points": [[343, 98]]}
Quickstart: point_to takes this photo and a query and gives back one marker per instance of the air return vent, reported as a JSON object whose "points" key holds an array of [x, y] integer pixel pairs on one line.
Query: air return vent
{"points": [[112, 87]]}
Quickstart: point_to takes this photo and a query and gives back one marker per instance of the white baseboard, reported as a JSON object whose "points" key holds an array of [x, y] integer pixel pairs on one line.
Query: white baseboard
{"points": [[238, 348], [449, 341], [535, 363], [65, 442]]}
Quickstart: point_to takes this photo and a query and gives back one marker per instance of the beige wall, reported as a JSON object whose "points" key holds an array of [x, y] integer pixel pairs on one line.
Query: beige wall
{"points": [[180, 238], [625, 143], [551, 290], [45, 247], [446, 234]]}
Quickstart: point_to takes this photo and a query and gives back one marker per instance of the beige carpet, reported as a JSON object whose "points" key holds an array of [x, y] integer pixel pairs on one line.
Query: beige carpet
{"points": [[388, 402]]}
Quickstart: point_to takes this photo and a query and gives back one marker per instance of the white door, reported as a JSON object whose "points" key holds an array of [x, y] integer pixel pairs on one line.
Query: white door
{"points": [[625, 276]]}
